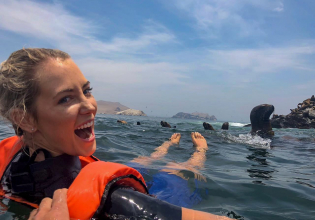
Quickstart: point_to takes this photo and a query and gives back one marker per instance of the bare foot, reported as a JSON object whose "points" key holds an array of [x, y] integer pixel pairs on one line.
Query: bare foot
{"points": [[175, 138], [199, 141]]}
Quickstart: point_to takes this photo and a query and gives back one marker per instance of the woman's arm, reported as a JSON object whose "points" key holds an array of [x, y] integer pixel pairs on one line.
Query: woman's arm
{"points": [[123, 203], [190, 214]]}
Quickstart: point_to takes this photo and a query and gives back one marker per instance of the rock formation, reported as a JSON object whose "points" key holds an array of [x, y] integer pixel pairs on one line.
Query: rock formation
{"points": [[132, 112], [259, 118], [302, 117], [105, 107], [225, 126], [207, 126], [195, 115]]}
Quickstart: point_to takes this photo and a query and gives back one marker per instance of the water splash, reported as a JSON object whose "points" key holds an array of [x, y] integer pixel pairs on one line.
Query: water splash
{"points": [[254, 141]]}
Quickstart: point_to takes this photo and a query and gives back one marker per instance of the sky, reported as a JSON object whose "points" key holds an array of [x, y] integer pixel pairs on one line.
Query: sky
{"points": [[221, 57]]}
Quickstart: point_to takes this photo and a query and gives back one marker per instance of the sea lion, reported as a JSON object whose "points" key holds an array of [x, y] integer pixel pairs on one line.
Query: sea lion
{"points": [[138, 123], [165, 124], [122, 122], [225, 126], [259, 118], [207, 126]]}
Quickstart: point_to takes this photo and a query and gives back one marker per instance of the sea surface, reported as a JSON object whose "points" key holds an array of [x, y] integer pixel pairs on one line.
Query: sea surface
{"points": [[245, 177]]}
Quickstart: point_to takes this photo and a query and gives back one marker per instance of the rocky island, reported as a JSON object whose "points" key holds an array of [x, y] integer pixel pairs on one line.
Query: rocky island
{"points": [[131, 112], [195, 115], [302, 117], [115, 108]]}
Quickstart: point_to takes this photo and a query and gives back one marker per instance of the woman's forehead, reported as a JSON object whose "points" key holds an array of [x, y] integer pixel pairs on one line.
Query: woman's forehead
{"points": [[59, 75]]}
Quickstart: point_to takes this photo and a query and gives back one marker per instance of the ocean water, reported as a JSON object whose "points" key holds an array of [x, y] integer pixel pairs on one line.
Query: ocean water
{"points": [[244, 177]]}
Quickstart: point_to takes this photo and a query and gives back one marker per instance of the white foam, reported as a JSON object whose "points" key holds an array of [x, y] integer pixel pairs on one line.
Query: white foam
{"points": [[254, 141], [236, 124]]}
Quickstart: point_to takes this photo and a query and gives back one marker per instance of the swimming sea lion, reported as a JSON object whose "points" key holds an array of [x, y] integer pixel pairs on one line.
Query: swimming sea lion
{"points": [[259, 118], [165, 124], [207, 126], [225, 126], [122, 122], [138, 123]]}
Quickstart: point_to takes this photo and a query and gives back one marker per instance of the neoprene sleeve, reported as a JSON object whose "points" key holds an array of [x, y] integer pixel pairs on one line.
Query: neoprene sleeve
{"points": [[125, 203]]}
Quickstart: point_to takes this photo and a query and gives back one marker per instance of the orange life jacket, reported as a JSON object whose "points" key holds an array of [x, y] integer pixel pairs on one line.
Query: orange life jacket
{"points": [[88, 192]]}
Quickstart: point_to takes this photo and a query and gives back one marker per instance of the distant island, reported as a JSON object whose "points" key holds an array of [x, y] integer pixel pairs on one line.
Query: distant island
{"points": [[195, 115], [115, 108]]}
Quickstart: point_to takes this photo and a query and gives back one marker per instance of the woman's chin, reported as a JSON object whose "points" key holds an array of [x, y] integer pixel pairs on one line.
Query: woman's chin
{"points": [[88, 151]]}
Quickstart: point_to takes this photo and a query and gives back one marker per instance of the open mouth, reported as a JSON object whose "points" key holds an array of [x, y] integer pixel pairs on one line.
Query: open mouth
{"points": [[85, 131]]}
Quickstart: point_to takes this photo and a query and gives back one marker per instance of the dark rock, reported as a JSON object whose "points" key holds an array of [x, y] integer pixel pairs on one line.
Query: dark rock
{"points": [[300, 117], [225, 126], [165, 124], [195, 115], [306, 114], [259, 118], [311, 113], [138, 123], [207, 126]]}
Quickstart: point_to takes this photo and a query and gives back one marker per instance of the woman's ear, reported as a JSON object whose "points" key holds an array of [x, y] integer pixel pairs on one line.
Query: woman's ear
{"points": [[23, 120]]}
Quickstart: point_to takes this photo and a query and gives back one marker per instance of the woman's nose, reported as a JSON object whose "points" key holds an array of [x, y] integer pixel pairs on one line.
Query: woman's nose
{"points": [[87, 107]]}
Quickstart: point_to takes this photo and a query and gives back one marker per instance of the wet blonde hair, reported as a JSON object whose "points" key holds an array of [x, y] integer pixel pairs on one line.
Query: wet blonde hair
{"points": [[19, 84]]}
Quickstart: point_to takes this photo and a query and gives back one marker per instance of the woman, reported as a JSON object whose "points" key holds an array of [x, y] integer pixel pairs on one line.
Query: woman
{"points": [[49, 103]]}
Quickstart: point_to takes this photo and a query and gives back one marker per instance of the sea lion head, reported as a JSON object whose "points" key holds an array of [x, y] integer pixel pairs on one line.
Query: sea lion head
{"points": [[259, 117], [207, 126], [225, 126]]}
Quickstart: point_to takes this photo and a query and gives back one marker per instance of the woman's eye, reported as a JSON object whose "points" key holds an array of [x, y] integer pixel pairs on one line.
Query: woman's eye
{"points": [[64, 100], [88, 91]]}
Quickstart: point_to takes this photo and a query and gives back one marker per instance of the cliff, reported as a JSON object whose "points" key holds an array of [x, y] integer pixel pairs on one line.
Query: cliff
{"points": [[195, 115], [132, 112]]}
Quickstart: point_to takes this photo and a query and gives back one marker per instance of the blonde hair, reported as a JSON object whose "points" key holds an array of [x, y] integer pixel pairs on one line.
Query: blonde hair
{"points": [[19, 85]]}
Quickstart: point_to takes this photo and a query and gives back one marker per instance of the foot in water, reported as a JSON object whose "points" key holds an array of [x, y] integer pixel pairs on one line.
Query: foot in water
{"points": [[175, 138], [199, 141]]}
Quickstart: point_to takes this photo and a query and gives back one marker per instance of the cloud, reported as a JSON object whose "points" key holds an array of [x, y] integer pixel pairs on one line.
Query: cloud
{"points": [[269, 60], [131, 73], [54, 24], [279, 8], [42, 20], [215, 15]]}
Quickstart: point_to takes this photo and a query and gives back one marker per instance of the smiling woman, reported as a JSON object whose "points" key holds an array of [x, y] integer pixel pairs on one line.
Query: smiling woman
{"points": [[48, 101]]}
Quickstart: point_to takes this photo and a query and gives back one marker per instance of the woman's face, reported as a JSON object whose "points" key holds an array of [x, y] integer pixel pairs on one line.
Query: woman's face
{"points": [[65, 110]]}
